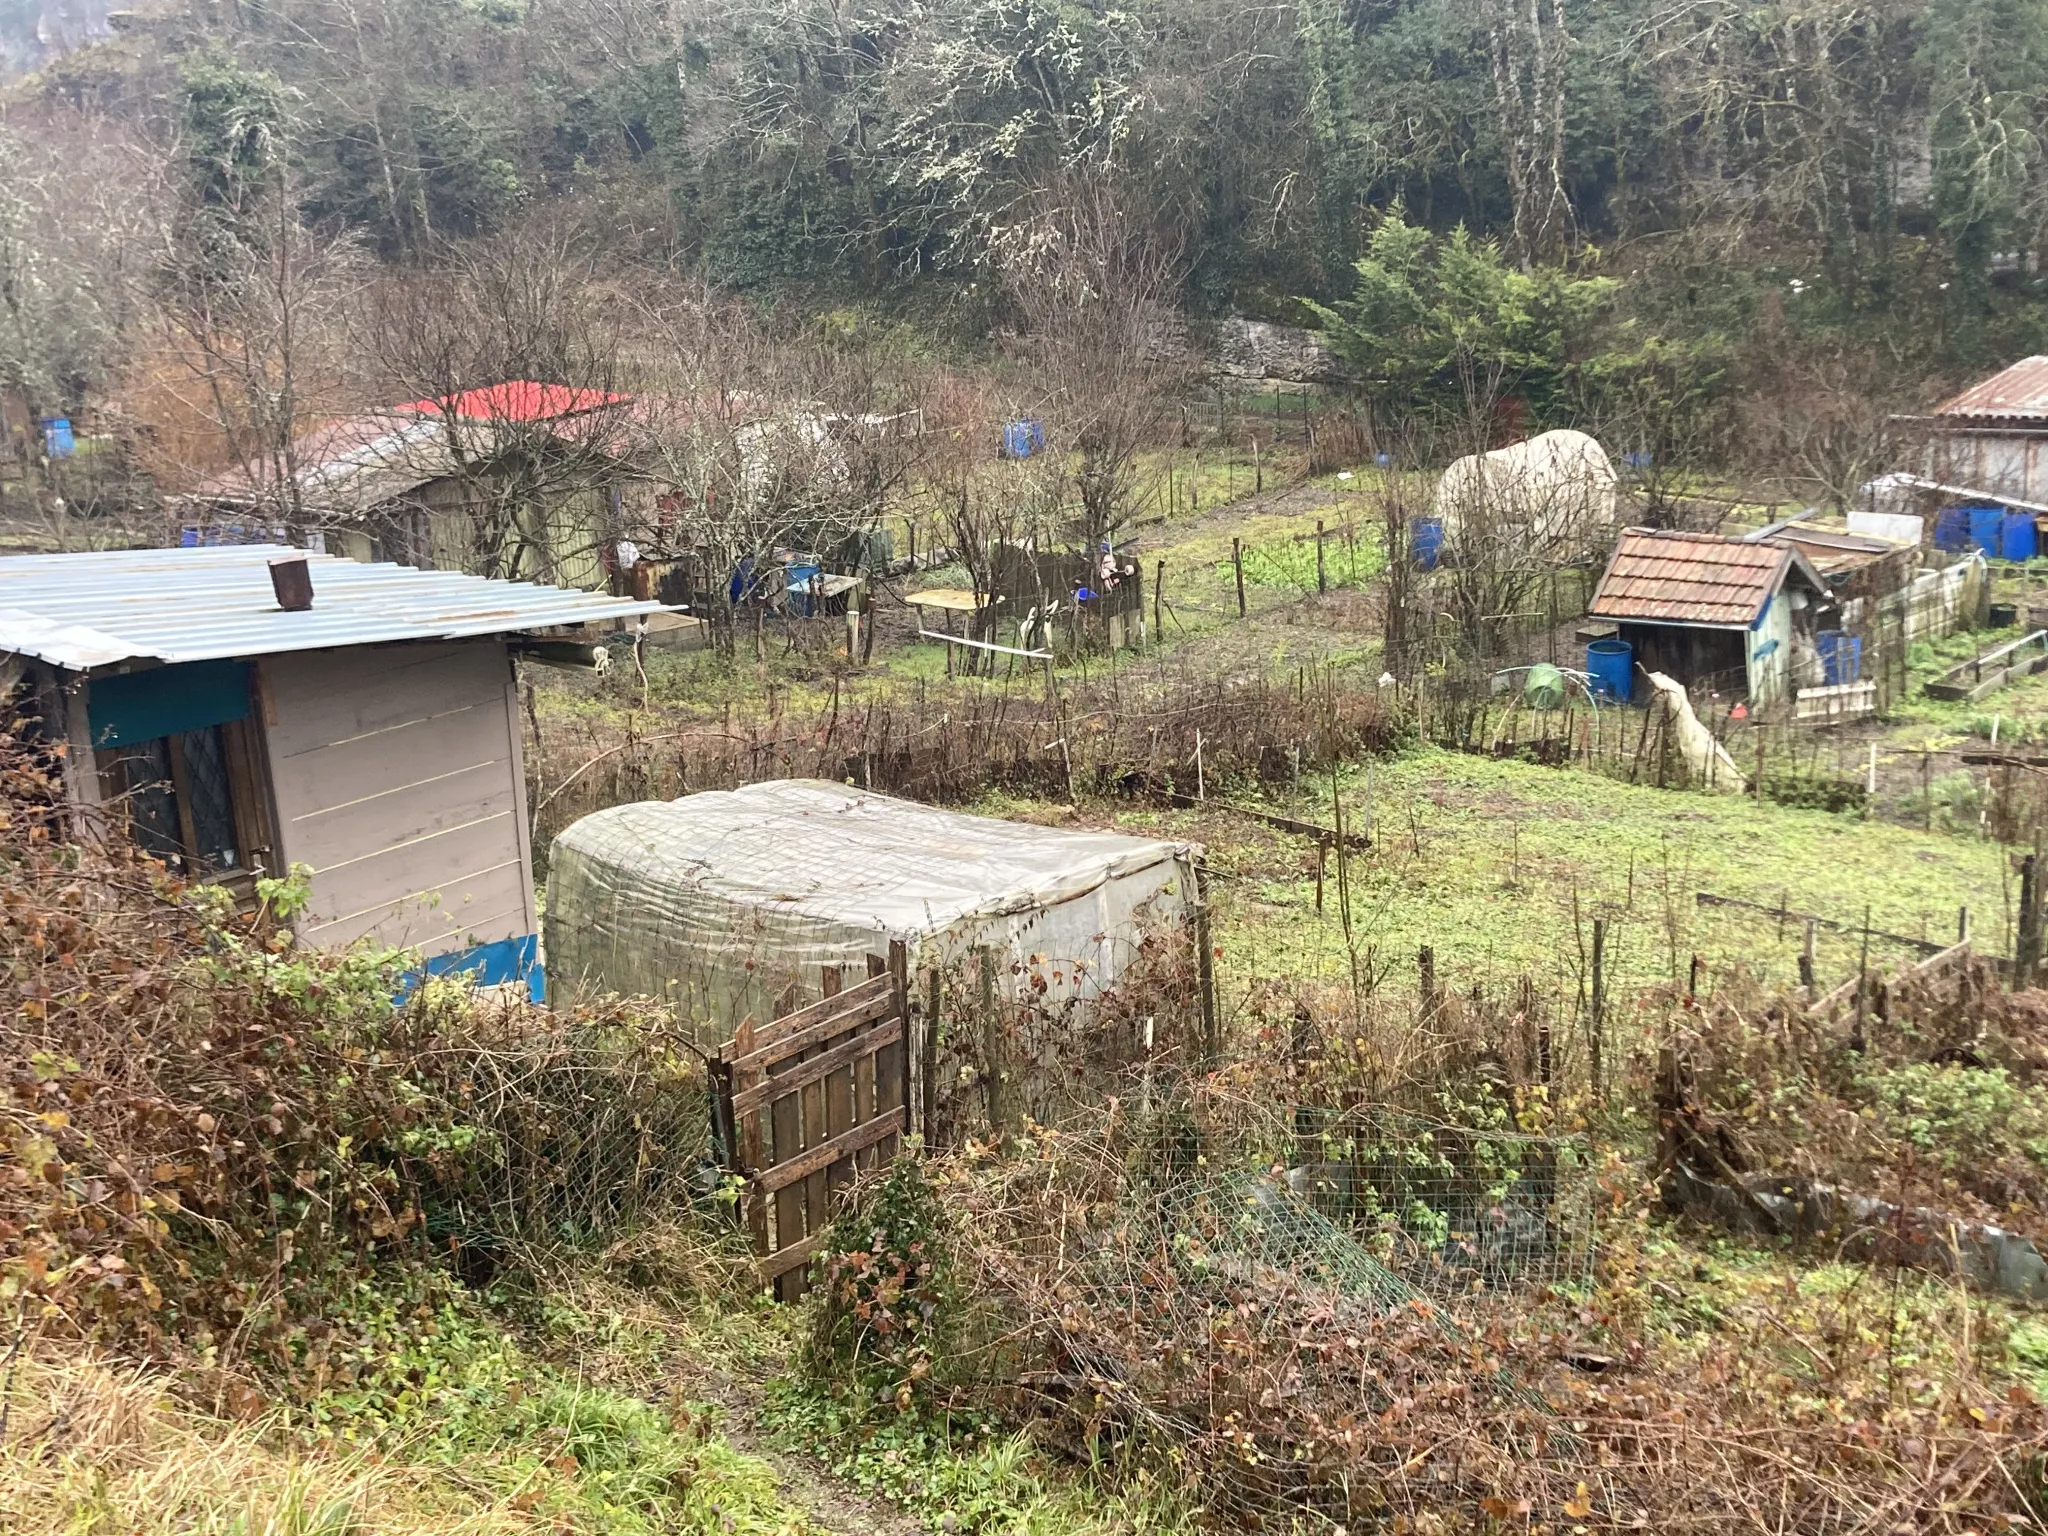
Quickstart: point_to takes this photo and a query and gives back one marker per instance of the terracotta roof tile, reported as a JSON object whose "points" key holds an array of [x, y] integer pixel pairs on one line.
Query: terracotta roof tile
{"points": [[1689, 578]]}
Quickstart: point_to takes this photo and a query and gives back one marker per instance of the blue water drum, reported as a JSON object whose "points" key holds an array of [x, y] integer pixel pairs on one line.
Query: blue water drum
{"points": [[1426, 542], [1985, 525], [1952, 529], [1610, 663], [1841, 657], [2016, 537]]}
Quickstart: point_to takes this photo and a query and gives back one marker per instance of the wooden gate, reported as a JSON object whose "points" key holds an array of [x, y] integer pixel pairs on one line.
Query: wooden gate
{"points": [[811, 1099]]}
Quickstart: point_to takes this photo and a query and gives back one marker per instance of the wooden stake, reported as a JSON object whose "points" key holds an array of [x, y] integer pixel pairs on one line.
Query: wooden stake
{"points": [[1598, 1003], [1237, 565], [1806, 962], [1322, 581]]}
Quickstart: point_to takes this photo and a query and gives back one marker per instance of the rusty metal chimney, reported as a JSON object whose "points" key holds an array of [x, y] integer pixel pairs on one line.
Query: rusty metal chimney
{"points": [[292, 580]]}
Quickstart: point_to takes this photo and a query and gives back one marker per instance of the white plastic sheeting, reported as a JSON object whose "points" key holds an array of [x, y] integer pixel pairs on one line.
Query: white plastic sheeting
{"points": [[1705, 758], [1556, 489], [727, 903]]}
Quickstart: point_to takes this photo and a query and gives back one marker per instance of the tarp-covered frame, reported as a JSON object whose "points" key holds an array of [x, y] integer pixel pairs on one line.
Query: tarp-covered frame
{"points": [[733, 904]]}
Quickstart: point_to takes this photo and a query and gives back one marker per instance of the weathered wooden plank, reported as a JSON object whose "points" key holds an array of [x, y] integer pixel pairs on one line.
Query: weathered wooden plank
{"points": [[797, 1019], [325, 698], [814, 1068], [781, 1262], [782, 1175], [829, 1119], [779, 1046]]}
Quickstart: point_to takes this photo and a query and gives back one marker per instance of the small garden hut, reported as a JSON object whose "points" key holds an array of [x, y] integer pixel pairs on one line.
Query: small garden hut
{"points": [[1715, 612]]}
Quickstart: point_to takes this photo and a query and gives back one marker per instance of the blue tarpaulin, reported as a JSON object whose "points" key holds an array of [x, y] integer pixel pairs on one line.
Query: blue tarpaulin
{"points": [[488, 965], [1021, 439], [58, 443]]}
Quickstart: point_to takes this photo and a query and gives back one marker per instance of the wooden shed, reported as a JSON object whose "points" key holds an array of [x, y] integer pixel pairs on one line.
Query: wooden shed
{"points": [[1715, 612], [373, 737]]}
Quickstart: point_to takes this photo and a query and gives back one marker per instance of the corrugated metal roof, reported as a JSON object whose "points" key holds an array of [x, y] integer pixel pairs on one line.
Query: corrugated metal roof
{"points": [[93, 610], [1692, 578], [2018, 393], [346, 467]]}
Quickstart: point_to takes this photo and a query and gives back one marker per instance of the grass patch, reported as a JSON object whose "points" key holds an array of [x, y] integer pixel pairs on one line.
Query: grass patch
{"points": [[1482, 860]]}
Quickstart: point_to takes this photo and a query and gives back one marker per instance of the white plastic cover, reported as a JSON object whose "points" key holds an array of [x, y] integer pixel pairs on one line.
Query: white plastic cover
{"points": [[729, 902]]}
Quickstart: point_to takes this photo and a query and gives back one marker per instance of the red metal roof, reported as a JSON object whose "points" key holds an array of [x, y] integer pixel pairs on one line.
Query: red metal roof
{"points": [[2019, 393], [517, 400], [1691, 578]]}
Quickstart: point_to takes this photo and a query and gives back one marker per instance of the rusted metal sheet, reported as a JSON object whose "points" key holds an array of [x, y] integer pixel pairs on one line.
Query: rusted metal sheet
{"points": [[2019, 393], [1686, 578]]}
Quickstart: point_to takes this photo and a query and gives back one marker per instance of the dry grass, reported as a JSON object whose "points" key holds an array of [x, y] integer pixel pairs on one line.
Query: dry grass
{"points": [[94, 1446]]}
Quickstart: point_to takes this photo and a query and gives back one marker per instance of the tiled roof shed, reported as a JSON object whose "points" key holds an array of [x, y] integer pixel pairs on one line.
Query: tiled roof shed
{"points": [[1694, 578]]}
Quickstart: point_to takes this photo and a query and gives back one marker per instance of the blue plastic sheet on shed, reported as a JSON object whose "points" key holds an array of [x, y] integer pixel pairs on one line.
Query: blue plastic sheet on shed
{"points": [[1952, 529], [1985, 524], [58, 443], [141, 706], [1841, 657], [488, 965], [800, 584], [2016, 539]]}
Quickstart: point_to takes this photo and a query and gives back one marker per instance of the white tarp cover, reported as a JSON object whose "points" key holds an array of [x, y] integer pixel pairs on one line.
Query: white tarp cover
{"points": [[1555, 490], [721, 902]]}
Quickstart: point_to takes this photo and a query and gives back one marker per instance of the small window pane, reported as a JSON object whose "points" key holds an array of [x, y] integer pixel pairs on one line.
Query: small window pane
{"points": [[211, 800], [152, 804]]}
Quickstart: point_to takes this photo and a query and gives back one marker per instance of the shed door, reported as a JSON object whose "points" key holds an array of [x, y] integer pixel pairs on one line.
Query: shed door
{"points": [[398, 779]]}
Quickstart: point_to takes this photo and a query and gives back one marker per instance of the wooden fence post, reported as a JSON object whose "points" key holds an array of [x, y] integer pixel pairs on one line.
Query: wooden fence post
{"points": [[1322, 581], [2026, 958], [934, 1028], [1237, 565], [1806, 962], [1597, 1005], [1205, 967], [992, 1049]]}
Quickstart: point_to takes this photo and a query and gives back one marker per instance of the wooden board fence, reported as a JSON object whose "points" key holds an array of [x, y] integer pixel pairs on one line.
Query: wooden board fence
{"points": [[811, 1099]]}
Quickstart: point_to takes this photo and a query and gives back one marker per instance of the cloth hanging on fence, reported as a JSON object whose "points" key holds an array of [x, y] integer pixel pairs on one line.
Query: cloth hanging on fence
{"points": [[1706, 760]]}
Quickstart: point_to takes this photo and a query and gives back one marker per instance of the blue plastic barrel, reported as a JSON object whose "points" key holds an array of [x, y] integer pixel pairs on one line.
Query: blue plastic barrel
{"points": [[2016, 540], [1985, 523], [1841, 657], [1952, 529], [1611, 664], [1426, 543]]}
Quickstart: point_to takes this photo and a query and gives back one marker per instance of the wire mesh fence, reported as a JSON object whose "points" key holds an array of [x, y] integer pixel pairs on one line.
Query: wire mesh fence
{"points": [[1449, 1208], [571, 1133]]}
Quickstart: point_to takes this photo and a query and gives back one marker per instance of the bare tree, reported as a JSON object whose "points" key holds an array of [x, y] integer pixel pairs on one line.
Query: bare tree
{"points": [[1096, 286], [1527, 42], [84, 210], [258, 346], [756, 446], [513, 345]]}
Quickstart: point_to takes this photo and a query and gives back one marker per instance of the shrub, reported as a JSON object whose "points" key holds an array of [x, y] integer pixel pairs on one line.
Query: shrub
{"points": [[209, 1134]]}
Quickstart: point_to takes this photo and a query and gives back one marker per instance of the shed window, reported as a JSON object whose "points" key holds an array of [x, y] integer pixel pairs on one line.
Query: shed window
{"points": [[194, 800]]}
